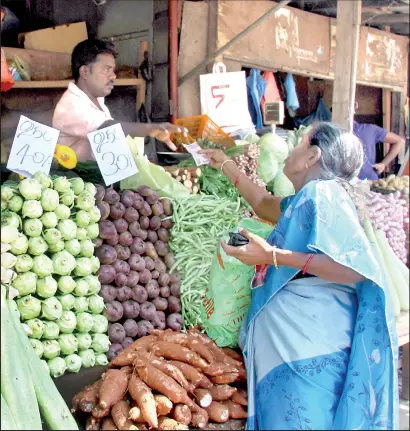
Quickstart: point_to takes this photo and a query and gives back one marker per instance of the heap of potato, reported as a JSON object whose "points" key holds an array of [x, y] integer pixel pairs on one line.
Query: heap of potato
{"points": [[393, 183], [166, 381]]}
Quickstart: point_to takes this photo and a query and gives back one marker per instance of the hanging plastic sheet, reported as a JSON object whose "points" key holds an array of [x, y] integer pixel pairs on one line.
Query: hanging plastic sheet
{"points": [[322, 113], [292, 102]]}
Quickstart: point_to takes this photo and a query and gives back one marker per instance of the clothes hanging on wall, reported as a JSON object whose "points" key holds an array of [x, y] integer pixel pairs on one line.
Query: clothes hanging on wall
{"points": [[256, 87], [292, 102], [272, 92]]}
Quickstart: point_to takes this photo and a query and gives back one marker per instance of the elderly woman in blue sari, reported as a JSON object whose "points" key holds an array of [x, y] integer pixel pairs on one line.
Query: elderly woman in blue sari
{"points": [[319, 340]]}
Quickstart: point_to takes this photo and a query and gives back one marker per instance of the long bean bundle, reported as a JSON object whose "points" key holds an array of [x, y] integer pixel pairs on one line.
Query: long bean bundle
{"points": [[199, 222]]}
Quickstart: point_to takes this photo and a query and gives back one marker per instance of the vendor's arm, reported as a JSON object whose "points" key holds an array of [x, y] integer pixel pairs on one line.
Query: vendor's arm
{"points": [[259, 252], [266, 206], [396, 145], [160, 131]]}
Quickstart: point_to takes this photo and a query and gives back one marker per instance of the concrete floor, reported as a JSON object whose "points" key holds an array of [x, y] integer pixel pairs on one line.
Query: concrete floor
{"points": [[404, 415]]}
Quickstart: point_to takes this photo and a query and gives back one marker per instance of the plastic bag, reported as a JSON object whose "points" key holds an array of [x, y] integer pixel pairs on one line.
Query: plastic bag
{"points": [[151, 175], [7, 80], [227, 298]]}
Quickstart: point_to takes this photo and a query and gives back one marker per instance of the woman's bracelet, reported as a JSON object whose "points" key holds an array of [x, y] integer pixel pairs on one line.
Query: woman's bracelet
{"points": [[310, 258], [275, 262], [226, 161]]}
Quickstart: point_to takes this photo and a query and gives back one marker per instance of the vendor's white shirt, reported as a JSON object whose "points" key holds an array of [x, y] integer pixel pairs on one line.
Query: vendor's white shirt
{"points": [[76, 116]]}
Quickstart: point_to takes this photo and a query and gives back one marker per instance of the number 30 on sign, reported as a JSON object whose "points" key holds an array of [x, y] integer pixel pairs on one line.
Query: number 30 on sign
{"points": [[33, 148], [112, 153]]}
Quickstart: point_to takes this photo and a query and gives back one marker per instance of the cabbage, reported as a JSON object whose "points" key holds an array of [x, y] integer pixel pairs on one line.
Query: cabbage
{"points": [[64, 263], [87, 358], [82, 218], [77, 184], [272, 143], [8, 260], [90, 188], [43, 266], [51, 331], [4, 205], [24, 263], [68, 229], [29, 307], [37, 246], [38, 347], [282, 186], [96, 304], [32, 227], [87, 248], [95, 214], [51, 309], [52, 236], [37, 328], [67, 301], [73, 246], [51, 349], [67, 322], [57, 247], [57, 367], [7, 275], [9, 218], [94, 284], [25, 283], [49, 199], [67, 198], [66, 284], [101, 343], [93, 230], [252, 138], [19, 245], [100, 324], [85, 201], [49, 220], [46, 287], [73, 363], [15, 203], [84, 341], [81, 233], [6, 193], [267, 165], [68, 344], [8, 234], [83, 267], [101, 359], [62, 212], [45, 365], [30, 189], [32, 209], [43, 179], [61, 184], [95, 264], [81, 288], [85, 322], [81, 304]]}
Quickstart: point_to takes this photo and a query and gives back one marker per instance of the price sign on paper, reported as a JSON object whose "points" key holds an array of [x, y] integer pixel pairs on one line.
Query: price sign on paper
{"points": [[199, 159], [33, 148], [112, 153]]}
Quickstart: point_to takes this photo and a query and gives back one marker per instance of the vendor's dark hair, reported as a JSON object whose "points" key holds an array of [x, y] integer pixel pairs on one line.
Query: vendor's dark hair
{"points": [[86, 52]]}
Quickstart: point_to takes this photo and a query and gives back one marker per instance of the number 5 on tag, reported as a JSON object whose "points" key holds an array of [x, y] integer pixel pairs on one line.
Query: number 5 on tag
{"points": [[112, 154], [33, 148]]}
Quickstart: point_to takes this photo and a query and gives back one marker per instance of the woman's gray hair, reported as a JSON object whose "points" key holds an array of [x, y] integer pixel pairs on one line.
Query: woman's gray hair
{"points": [[342, 159], [342, 152]]}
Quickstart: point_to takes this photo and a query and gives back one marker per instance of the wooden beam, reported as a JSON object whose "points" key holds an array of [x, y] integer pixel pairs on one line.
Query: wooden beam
{"points": [[395, 18], [347, 47]]}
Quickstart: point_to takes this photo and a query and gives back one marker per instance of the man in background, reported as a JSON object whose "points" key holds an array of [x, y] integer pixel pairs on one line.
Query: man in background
{"points": [[371, 135], [81, 109]]}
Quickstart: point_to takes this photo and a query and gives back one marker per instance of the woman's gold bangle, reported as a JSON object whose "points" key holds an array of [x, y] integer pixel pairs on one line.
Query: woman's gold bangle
{"points": [[223, 164], [275, 262]]}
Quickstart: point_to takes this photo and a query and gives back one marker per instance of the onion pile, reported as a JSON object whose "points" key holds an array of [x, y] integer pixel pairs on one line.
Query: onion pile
{"points": [[248, 163], [390, 213], [139, 292]]}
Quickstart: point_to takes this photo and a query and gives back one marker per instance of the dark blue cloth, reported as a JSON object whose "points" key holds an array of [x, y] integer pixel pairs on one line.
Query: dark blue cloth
{"points": [[256, 87], [321, 114]]}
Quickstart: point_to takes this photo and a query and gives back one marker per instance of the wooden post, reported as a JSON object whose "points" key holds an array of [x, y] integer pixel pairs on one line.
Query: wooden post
{"points": [[347, 44]]}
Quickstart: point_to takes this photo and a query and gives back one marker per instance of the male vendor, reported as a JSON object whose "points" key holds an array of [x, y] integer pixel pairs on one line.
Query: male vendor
{"points": [[82, 110], [370, 135]]}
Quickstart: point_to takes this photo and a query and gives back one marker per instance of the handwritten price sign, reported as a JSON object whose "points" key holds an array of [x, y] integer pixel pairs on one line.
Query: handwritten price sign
{"points": [[33, 148], [112, 153]]}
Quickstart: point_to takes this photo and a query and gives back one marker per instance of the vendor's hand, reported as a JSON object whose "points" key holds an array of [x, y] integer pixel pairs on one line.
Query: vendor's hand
{"points": [[163, 131], [380, 167], [256, 252], [217, 157]]}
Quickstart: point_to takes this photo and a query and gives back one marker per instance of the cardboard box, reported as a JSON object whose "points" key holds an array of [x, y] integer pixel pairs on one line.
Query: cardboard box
{"points": [[58, 39]]}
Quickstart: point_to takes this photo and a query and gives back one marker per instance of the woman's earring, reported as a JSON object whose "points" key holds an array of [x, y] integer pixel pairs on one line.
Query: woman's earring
{"points": [[306, 166]]}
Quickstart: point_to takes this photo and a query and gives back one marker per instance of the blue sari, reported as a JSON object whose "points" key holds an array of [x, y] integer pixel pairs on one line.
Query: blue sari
{"points": [[321, 355]]}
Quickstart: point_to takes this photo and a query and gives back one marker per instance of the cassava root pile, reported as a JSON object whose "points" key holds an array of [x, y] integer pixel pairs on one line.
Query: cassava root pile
{"points": [[166, 381], [189, 177]]}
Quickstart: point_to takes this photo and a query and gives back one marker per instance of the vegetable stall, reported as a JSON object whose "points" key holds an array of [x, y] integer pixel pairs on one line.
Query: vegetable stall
{"points": [[93, 276]]}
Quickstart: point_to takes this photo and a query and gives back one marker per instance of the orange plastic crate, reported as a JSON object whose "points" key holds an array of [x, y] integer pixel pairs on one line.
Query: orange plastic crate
{"points": [[202, 127]]}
